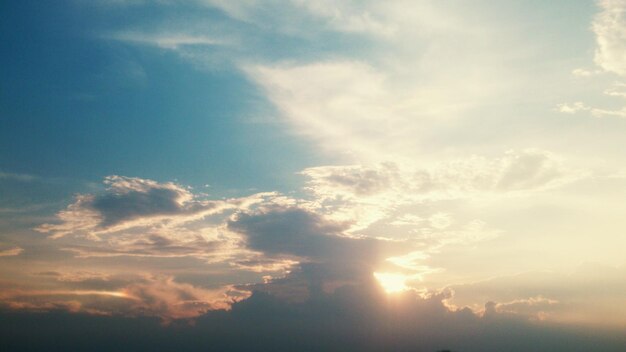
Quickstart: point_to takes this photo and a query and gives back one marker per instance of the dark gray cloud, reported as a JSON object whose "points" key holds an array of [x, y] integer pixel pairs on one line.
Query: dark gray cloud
{"points": [[116, 208], [129, 204], [352, 318], [132, 198], [328, 258], [302, 233]]}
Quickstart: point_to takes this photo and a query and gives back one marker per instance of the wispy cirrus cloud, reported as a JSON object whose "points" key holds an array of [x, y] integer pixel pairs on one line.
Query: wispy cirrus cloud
{"points": [[153, 296], [17, 176], [167, 40]]}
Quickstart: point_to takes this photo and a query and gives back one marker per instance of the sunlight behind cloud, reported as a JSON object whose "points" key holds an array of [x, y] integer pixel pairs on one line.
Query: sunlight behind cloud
{"points": [[392, 282]]}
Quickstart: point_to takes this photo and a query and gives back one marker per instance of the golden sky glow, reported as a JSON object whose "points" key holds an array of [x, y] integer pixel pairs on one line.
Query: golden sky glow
{"points": [[392, 282]]}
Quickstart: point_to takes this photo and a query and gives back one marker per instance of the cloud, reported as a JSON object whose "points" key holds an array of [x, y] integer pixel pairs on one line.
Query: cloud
{"points": [[341, 106], [320, 16], [356, 317], [591, 294], [389, 192], [104, 294], [537, 307], [609, 27], [351, 17], [359, 111], [525, 170], [596, 112], [132, 198], [11, 252], [139, 218], [358, 180], [299, 233], [581, 72], [17, 177], [327, 257], [618, 90], [132, 202], [167, 299], [167, 41]]}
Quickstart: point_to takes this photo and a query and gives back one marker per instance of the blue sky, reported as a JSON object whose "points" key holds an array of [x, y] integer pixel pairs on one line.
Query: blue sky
{"points": [[173, 159], [78, 105]]}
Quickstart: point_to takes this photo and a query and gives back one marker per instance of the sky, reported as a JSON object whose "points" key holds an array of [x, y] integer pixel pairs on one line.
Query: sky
{"points": [[313, 175]]}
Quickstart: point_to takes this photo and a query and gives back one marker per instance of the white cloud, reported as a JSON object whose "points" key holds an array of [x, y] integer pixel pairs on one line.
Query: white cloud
{"points": [[515, 171], [572, 108], [342, 105], [581, 72], [618, 90], [401, 202], [368, 113], [594, 111], [610, 29], [341, 16], [349, 16]]}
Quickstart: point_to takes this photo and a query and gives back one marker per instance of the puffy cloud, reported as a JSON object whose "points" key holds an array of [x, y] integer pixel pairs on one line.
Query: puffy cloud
{"points": [[299, 233], [389, 192], [133, 202], [142, 222], [594, 111], [524, 170], [610, 28], [358, 180], [328, 257], [131, 198]]}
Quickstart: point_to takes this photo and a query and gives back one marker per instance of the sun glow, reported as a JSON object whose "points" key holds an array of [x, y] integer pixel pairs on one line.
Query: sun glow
{"points": [[392, 282]]}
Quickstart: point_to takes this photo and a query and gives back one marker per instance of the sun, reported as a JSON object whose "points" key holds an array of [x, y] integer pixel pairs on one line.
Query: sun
{"points": [[392, 283]]}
